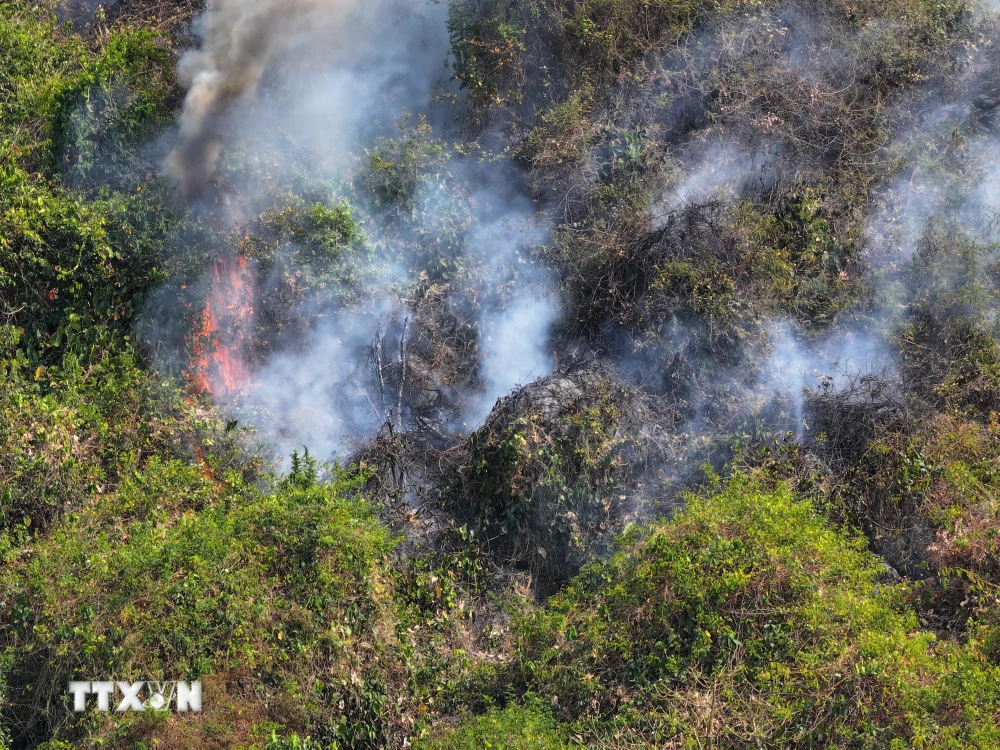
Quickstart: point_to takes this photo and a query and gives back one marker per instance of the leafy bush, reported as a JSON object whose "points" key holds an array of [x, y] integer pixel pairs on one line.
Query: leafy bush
{"points": [[170, 578], [515, 727], [421, 207], [561, 136], [73, 431], [67, 103], [543, 479], [116, 103], [747, 619], [73, 273], [486, 51], [608, 36], [37, 66]]}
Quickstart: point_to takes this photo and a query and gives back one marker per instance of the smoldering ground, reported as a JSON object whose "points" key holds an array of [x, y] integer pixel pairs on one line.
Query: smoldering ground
{"points": [[940, 147], [324, 86], [323, 60], [290, 90], [356, 369]]}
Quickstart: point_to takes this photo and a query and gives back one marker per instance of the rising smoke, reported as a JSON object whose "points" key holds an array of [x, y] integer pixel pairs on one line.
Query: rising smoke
{"points": [[303, 88], [237, 42], [304, 83], [735, 164]]}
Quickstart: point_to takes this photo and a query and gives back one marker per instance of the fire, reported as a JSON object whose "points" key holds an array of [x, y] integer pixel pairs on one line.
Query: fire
{"points": [[223, 330]]}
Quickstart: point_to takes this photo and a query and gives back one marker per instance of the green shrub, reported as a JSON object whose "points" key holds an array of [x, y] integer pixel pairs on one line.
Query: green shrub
{"points": [[515, 727], [37, 67], [486, 52], [73, 273], [748, 619], [115, 105], [291, 742], [66, 103], [607, 36], [542, 479], [561, 137], [950, 352], [167, 578], [421, 209], [70, 432]]}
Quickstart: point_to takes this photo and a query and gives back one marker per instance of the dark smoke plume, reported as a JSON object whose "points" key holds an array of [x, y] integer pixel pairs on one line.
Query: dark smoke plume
{"points": [[238, 39]]}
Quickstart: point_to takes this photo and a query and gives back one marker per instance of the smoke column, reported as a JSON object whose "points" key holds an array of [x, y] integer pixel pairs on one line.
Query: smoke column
{"points": [[303, 87], [238, 39]]}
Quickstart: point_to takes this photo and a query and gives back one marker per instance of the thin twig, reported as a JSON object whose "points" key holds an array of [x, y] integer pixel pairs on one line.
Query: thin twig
{"points": [[402, 374]]}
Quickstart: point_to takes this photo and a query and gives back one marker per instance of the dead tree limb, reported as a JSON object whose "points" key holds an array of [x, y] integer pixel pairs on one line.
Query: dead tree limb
{"points": [[402, 374]]}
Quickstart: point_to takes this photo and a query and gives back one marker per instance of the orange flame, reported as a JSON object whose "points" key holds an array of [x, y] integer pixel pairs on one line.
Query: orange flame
{"points": [[223, 331]]}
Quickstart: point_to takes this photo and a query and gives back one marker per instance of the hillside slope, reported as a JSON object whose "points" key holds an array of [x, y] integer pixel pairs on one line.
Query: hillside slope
{"points": [[501, 373]]}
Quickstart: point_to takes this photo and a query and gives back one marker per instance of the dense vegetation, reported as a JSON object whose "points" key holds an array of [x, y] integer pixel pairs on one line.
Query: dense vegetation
{"points": [[662, 543]]}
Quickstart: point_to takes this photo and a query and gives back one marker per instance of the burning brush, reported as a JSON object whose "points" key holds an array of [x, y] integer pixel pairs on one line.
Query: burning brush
{"points": [[222, 333]]}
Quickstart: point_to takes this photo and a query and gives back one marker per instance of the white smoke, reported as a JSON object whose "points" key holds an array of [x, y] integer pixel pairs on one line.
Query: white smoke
{"points": [[318, 396], [796, 365], [515, 350], [720, 169], [237, 41], [306, 87]]}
